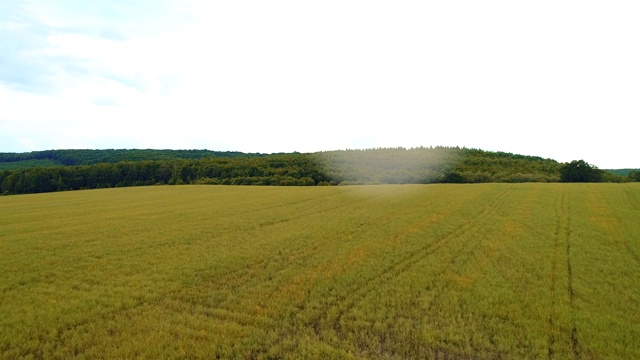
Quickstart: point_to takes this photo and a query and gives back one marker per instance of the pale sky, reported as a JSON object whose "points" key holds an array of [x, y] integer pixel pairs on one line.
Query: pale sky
{"points": [[557, 79]]}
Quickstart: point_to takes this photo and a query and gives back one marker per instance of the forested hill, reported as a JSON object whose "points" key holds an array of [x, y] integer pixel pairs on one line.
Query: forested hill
{"points": [[11, 161], [90, 169], [435, 165]]}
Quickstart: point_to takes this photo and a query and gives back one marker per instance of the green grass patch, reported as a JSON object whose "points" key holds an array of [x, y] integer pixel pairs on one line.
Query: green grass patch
{"points": [[406, 271]]}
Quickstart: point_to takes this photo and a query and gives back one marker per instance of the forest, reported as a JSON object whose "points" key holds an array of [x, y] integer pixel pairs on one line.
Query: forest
{"points": [[49, 158], [62, 170]]}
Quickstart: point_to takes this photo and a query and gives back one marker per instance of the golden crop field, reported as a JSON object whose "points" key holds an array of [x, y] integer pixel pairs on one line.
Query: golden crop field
{"points": [[408, 271]]}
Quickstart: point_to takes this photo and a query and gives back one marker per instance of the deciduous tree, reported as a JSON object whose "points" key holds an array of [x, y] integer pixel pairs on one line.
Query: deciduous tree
{"points": [[580, 171]]}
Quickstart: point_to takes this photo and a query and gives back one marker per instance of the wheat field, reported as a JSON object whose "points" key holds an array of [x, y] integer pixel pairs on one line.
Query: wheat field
{"points": [[384, 272]]}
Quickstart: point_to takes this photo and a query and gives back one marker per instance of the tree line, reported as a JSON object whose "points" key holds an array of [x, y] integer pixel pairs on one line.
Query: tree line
{"points": [[423, 165], [11, 161], [272, 170]]}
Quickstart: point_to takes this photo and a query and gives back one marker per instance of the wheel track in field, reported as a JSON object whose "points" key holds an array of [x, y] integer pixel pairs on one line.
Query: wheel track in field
{"points": [[237, 273], [567, 235], [219, 309], [243, 275], [244, 271], [561, 237], [492, 210], [564, 228], [466, 251], [136, 303], [395, 270], [551, 339]]}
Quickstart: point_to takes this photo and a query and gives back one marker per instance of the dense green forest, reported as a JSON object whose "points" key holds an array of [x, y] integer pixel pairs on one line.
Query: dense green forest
{"points": [[60, 170], [12, 161], [623, 172]]}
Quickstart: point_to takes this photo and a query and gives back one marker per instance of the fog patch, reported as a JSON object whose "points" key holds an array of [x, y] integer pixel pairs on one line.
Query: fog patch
{"points": [[421, 165]]}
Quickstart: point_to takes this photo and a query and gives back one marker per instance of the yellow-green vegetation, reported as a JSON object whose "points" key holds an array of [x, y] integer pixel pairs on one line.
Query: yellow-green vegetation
{"points": [[404, 271]]}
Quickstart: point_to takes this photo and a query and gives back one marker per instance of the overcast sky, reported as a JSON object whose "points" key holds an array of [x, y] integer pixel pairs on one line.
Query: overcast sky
{"points": [[557, 79]]}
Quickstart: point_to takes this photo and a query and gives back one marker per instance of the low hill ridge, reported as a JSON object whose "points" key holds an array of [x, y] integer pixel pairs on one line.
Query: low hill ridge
{"points": [[60, 170]]}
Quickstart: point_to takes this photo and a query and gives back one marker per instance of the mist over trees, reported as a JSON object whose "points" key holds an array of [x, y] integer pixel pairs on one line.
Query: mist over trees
{"points": [[425, 165], [61, 170]]}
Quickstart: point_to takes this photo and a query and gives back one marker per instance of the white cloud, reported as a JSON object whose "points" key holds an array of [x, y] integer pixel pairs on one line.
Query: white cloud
{"points": [[554, 79]]}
